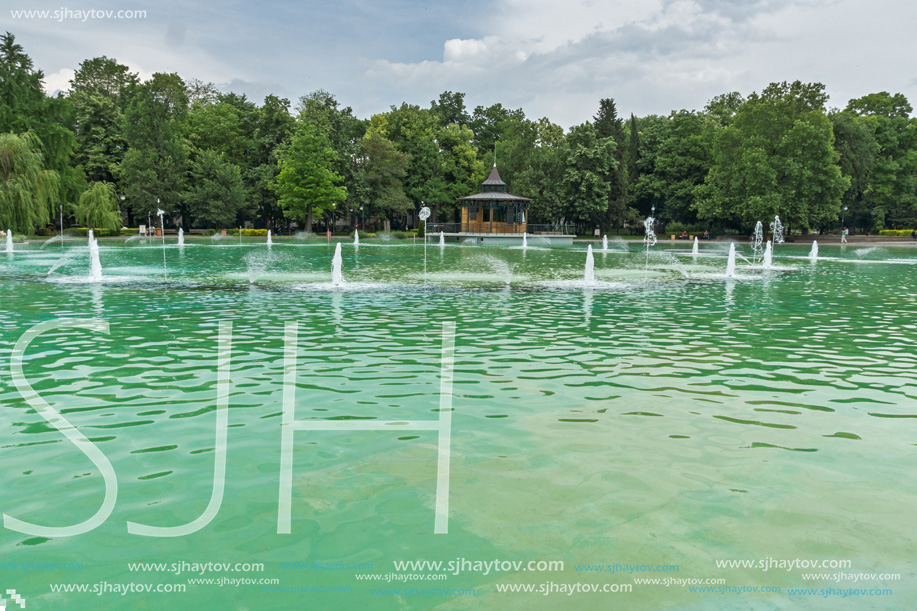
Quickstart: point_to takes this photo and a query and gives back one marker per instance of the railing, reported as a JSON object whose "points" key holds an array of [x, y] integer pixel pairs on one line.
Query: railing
{"points": [[501, 228]]}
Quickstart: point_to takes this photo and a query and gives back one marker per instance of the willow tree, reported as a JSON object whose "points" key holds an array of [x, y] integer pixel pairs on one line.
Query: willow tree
{"points": [[98, 207], [28, 192]]}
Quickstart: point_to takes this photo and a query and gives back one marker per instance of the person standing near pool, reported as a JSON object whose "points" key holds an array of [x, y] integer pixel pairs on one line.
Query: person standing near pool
{"points": [[844, 236]]}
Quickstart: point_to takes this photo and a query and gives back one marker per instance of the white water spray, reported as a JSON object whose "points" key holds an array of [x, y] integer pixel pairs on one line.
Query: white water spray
{"points": [[181, 236], [768, 256], [731, 261], [777, 230], [162, 231], [9, 240], [356, 237], [589, 272], [757, 241], [525, 242], [442, 239], [269, 241], [605, 243], [813, 254], [337, 277], [650, 238], [696, 248], [95, 264]]}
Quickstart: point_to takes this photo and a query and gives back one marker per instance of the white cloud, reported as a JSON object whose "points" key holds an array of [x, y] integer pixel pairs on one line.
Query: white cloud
{"points": [[59, 81], [558, 59]]}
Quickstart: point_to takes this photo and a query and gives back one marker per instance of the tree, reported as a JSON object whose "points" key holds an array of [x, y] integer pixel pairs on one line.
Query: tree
{"points": [[25, 108], [776, 158], [443, 162], [490, 125], [723, 108], [100, 91], [589, 169], [28, 192], [857, 148], [385, 168], [609, 125], [677, 165], [536, 153], [218, 127], [154, 168], [632, 151], [890, 195], [307, 183], [450, 109], [217, 195], [273, 129], [98, 207], [342, 130]]}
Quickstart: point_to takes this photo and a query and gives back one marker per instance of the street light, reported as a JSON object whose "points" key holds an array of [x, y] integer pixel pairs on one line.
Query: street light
{"points": [[362, 218], [844, 217]]}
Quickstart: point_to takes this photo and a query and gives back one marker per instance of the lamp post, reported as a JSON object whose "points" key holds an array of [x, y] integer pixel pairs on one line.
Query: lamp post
{"points": [[423, 215], [844, 218], [149, 220], [362, 218]]}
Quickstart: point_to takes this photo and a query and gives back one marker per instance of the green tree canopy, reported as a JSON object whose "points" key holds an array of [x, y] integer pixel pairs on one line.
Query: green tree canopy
{"points": [[154, 168], [385, 168], [890, 194], [680, 158], [100, 92], [28, 192], [589, 169], [25, 108], [307, 183], [216, 195], [776, 158], [98, 207]]}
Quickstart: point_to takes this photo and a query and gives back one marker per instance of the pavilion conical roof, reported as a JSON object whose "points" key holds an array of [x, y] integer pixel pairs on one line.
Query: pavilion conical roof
{"points": [[494, 179]]}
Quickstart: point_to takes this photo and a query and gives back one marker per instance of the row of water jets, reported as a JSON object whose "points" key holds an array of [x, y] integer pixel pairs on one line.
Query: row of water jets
{"points": [[649, 240]]}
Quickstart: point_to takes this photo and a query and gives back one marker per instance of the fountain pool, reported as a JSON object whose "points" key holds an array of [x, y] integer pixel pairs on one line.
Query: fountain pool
{"points": [[584, 422]]}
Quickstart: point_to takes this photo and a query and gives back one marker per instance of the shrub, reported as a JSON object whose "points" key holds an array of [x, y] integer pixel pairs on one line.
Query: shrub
{"points": [[674, 227], [99, 232], [247, 232], [896, 232], [128, 231]]}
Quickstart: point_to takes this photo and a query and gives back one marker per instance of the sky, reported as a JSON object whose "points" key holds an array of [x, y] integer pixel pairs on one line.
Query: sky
{"points": [[550, 58]]}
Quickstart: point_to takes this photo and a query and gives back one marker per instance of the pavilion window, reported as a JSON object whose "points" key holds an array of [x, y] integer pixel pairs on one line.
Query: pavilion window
{"points": [[499, 214], [472, 213]]}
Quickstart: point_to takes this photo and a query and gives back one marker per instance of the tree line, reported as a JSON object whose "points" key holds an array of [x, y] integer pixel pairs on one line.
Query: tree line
{"points": [[116, 148]]}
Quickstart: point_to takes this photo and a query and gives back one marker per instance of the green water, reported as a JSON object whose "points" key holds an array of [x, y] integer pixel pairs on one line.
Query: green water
{"points": [[666, 416]]}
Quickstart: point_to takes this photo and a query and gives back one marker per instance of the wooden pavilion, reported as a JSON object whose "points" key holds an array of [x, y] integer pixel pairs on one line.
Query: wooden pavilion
{"points": [[493, 210]]}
